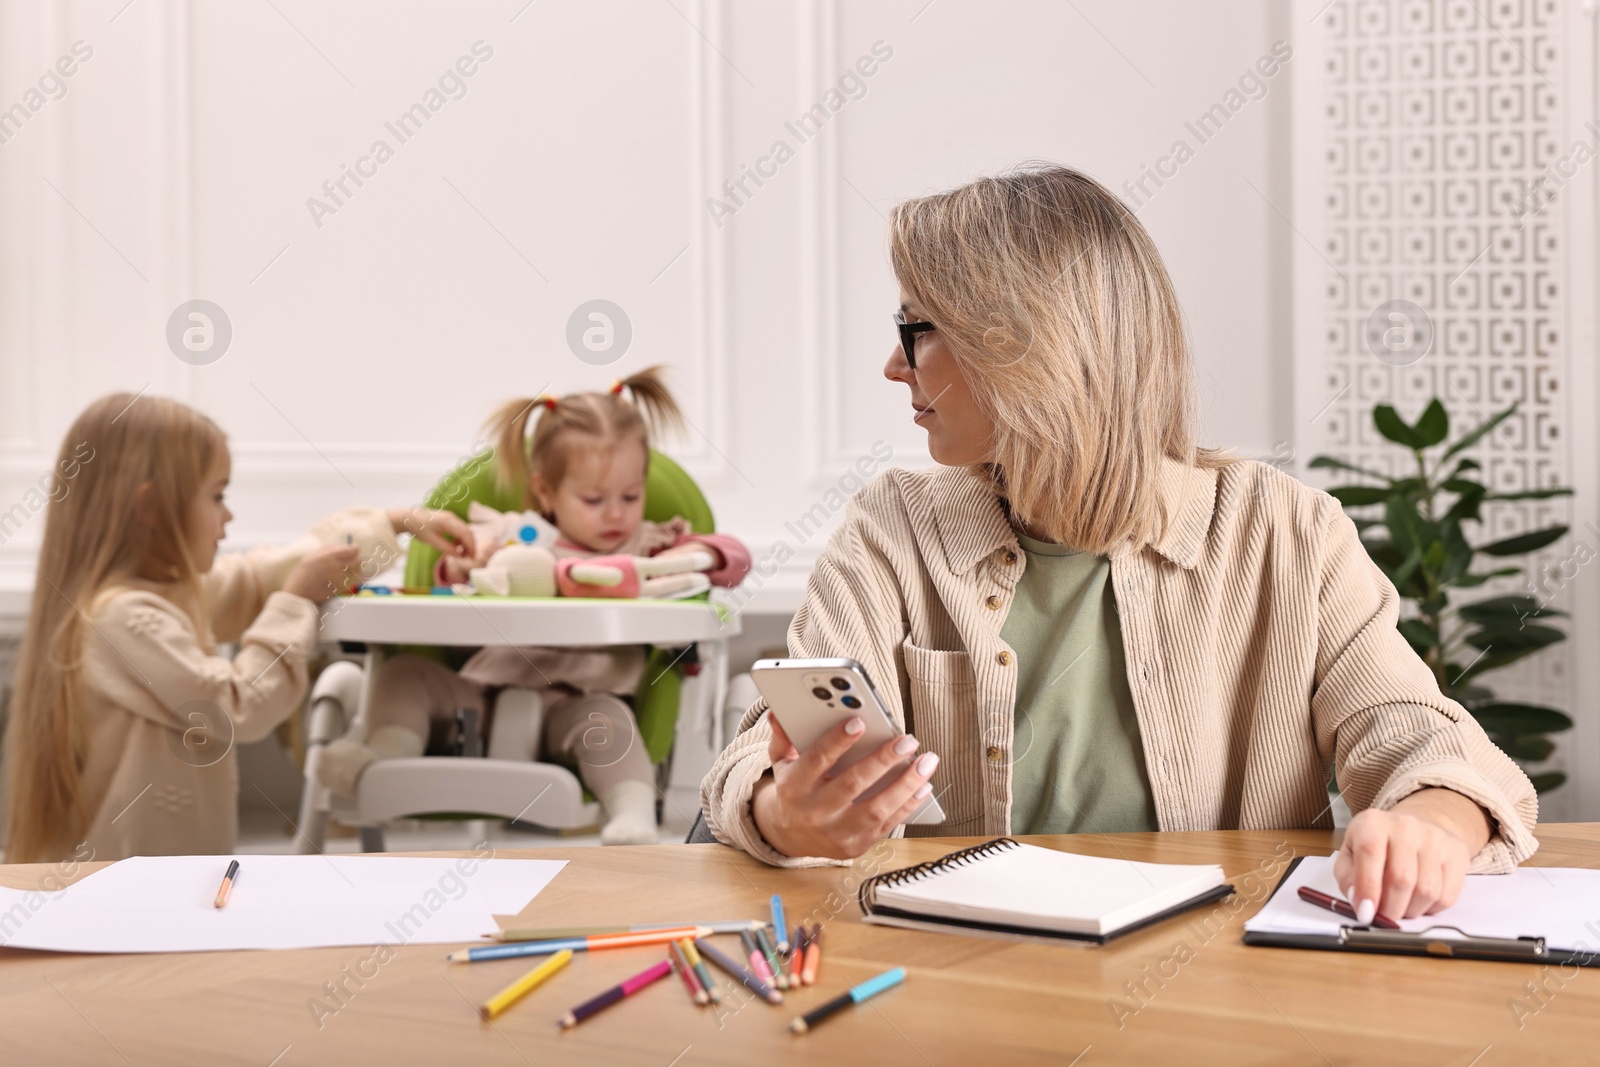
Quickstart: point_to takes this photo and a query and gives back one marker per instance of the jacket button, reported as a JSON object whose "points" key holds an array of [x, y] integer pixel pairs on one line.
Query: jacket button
{"points": [[1004, 659], [993, 602], [994, 753], [1010, 556]]}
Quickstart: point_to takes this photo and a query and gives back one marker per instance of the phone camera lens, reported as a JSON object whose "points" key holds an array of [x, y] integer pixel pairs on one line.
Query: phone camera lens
{"points": [[840, 683], [849, 701], [821, 694]]}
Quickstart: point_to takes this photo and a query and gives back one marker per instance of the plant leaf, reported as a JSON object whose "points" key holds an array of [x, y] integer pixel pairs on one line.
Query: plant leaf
{"points": [[1528, 542], [1531, 494], [1433, 425], [1543, 783], [1477, 433], [1491, 661], [1514, 720], [1467, 581], [1354, 496], [1507, 638], [1502, 609], [1420, 634], [1531, 747], [1333, 463], [1396, 429]]}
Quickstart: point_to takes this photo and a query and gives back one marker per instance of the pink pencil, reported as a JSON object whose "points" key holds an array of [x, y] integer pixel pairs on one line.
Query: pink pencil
{"points": [[616, 993]]}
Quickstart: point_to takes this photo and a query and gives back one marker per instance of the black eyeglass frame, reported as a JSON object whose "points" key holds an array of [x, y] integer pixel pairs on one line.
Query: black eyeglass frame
{"points": [[908, 335]]}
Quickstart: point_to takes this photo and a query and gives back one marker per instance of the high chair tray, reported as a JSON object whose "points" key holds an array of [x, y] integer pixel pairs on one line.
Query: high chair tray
{"points": [[554, 621]]}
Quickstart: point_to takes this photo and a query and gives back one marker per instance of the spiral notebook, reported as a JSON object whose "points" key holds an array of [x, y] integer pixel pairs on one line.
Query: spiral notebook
{"points": [[1006, 888]]}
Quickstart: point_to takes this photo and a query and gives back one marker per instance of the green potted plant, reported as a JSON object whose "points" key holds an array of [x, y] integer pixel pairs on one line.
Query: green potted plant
{"points": [[1421, 544]]}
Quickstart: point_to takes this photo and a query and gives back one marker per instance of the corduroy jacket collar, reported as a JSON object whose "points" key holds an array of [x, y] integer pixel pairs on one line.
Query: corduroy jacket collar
{"points": [[972, 523]]}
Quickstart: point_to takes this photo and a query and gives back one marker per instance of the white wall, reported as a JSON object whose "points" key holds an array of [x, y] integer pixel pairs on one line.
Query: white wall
{"points": [[578, 165]]}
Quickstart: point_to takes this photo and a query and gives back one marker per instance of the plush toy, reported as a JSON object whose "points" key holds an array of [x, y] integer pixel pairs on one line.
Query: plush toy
{"points": [[657, 577], [517, 570], [499, 528]]}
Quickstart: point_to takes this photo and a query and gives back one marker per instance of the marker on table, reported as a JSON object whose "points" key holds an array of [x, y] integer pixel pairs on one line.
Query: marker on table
{"points": [[870, 988], [691, 981], [576, 944], [1334, 904], [693, 956], [524, 985], [739, 974], [813, 955], [779, 928], [548, 933], [614, 994], [227, 885]]}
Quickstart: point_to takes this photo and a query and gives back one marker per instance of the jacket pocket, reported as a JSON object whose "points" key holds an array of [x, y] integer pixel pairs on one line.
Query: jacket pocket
{"points": [[943, 715]]}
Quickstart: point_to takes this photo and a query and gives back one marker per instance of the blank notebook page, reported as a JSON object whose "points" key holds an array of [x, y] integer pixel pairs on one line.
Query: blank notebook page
{"points": [[1041, 888]]}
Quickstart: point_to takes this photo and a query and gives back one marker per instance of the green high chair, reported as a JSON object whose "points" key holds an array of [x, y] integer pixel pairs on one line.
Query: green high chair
{"points": [[689, 676]]}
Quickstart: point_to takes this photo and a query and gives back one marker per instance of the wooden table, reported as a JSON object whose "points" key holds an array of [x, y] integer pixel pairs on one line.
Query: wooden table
{"points": [[966, 1000]]}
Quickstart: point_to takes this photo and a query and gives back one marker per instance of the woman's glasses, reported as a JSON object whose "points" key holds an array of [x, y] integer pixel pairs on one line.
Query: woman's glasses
{"points": [[908, 336]]}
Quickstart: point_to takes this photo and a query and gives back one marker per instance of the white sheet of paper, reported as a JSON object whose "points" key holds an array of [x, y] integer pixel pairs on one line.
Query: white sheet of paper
{"points": [[1560, 904], [165, 903]]}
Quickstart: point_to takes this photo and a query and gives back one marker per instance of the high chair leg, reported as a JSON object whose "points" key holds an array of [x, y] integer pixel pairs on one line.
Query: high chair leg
{"points": [[518, 721]]}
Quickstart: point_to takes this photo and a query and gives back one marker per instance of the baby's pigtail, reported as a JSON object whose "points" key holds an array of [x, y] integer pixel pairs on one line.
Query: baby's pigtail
{"points": [[508, 429], [654, 400]]}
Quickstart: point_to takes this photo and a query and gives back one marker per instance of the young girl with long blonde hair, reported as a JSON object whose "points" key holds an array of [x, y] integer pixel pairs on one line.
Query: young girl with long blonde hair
{"points": [[123, 717], [584, 468]]}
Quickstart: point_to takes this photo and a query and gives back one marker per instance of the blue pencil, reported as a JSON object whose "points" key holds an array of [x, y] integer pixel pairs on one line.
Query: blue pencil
{"points": [[780, 929], [576, 944], [870, 988]]}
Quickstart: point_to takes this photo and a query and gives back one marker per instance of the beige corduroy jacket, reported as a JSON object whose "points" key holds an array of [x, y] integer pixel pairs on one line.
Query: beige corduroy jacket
{"points": [[1259, 637], [164, 713]]}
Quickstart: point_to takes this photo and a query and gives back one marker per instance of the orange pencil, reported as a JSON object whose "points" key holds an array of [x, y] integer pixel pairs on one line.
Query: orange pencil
{"points": [[227, 885], [808, 973]]}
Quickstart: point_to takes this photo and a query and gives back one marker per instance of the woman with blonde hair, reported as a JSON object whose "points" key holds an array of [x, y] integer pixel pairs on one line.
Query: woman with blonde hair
{"points": [[1086, 621], [123, 716]]}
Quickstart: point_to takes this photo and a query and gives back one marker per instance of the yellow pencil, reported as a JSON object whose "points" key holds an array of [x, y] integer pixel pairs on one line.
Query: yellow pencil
{"points": [[522, 986]]}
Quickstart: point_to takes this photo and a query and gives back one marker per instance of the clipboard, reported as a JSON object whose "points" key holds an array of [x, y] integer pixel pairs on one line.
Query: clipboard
{"points": [[1462, 946]]}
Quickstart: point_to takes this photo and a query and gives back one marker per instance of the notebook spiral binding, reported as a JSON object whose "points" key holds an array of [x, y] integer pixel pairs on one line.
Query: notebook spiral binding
{"points": [[865, 896]]}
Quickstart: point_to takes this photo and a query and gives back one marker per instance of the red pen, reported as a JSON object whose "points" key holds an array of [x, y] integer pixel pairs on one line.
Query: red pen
{"points": [[1334, 904]]}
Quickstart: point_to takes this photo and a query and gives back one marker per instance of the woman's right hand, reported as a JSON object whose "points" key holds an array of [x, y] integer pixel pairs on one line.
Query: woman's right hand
{"points": [[324, 572], [806, 810]]}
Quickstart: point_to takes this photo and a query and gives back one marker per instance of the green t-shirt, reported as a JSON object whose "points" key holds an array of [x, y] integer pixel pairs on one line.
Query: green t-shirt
{"points": [[1079, 763]]}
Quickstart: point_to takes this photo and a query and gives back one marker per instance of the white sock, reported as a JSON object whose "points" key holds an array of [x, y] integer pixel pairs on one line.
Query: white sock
{"points": [[630, 809]]}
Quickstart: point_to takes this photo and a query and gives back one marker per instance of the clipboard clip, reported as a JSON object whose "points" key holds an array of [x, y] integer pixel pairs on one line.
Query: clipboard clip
{"points": [[1506, 948]]}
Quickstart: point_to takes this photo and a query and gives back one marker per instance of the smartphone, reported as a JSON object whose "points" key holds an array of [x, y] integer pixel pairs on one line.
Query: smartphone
{"points": [[810, 696]]}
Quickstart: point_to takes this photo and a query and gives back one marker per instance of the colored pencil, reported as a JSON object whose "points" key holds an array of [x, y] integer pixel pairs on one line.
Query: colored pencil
{"points": [[870, 988], [774, 964], [797, 961], [758, 962], [691, 981], [524, 985], [780, 929], [701, 971], [744, 976], [576, 944], [553, 933], [813, 955], [614, 994], [226, 888]]}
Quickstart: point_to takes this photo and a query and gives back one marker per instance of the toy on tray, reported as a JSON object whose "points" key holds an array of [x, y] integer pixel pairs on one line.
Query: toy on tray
{"points": [[656, 577]]}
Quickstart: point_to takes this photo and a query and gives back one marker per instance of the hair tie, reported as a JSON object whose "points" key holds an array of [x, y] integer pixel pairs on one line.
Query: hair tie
{"points": [[546, 399], [616, 387]]}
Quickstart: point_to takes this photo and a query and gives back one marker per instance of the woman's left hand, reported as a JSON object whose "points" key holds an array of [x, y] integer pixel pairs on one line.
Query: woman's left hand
{"points": [[1411, 859], [444, 530]]}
